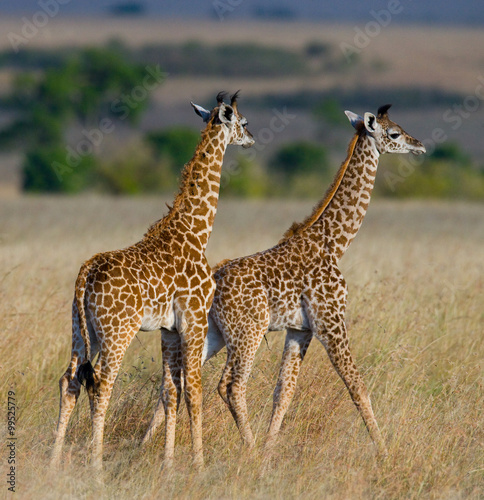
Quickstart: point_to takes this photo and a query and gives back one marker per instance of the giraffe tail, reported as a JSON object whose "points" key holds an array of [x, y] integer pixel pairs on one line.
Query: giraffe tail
{"points": [[86, 370]]}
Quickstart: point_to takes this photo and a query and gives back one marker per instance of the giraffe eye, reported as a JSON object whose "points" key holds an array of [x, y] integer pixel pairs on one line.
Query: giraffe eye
{"points": [[395, 135]]}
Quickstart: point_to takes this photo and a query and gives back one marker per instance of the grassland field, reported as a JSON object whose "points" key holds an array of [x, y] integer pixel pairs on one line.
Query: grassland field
{"points": [[416, 293]]}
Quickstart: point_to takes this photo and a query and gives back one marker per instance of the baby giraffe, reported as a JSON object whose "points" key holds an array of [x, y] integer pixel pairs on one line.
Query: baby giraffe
{"points": [[297, 286], [162, 282]]}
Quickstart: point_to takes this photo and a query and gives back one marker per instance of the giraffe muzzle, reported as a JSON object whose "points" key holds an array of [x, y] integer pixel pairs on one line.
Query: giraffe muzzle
{"points": [[419, 149]]}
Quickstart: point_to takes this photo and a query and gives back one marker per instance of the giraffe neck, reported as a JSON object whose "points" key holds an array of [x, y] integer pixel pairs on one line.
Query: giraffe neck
{"points": [[195, 206], [344, 214]]}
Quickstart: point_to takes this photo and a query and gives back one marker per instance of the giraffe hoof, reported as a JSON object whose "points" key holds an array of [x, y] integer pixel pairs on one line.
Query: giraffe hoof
{"points": [[54, 465], [198, 464], [167, 465]]}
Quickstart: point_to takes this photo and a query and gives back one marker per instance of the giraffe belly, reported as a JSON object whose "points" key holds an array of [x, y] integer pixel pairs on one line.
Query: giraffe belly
{"points": [[214, 341], [296, 319], [156, 318]]}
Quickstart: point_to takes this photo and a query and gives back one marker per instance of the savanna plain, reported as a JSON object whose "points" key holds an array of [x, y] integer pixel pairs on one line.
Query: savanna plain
{"points": [[415, 317]]}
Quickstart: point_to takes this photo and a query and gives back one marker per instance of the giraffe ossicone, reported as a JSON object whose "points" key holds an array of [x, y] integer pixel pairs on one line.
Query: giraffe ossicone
{"points": [[297, 286], [161, 282]]}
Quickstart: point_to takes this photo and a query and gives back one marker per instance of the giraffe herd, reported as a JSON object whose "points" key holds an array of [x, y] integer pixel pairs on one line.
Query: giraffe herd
{"points": [[164, 282]]}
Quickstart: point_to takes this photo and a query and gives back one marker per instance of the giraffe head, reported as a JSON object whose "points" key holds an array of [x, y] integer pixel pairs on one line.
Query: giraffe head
{"points": [[228, 117], [387, 135]]}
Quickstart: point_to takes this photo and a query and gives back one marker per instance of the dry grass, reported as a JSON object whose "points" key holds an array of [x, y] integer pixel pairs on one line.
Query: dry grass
{"points": [[415, 318]]}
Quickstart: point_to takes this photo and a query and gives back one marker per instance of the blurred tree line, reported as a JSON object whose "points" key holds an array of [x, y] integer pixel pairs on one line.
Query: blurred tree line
{"points": [[65, 108]]}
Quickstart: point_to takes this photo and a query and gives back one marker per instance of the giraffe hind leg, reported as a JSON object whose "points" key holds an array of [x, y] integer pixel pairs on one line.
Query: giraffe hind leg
{"points": [[70, 389], [295, 348], [106, 371], [233, 384]]}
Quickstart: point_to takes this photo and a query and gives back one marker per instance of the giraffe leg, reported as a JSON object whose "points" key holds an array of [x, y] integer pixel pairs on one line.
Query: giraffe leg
{"points": [[241, 349], [106, 371], [224, 388], [234, 386], [70, 387], [335, 340], [214, 342], [192, 346], [69, 392], [295, 348], [225, 380], [171, 388]]}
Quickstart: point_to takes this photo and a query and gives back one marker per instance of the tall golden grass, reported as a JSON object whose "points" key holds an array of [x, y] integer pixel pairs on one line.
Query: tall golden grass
{"points": [[415, 316]]}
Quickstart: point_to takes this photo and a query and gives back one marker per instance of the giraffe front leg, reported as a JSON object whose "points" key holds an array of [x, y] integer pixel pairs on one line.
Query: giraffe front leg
{"points": [[335, 340], [171, 386], [295, 348], [192, 346], [170, 392]]}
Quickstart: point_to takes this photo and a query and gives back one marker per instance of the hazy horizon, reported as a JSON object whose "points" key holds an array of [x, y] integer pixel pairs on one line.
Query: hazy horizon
{"points": [[465, 12]]}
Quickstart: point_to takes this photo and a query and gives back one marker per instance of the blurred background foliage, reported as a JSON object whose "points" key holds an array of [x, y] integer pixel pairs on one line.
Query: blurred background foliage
{"points": [[59, 96]]}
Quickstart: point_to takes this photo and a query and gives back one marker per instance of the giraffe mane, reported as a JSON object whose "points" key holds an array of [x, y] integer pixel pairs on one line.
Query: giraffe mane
{"points": [[184, 191], [299, 227]]}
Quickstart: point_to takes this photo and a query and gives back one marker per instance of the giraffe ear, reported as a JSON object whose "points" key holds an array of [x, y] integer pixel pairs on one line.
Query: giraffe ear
{"points": [[355, 120], [371, 123], [205, 114], [226, 114]]}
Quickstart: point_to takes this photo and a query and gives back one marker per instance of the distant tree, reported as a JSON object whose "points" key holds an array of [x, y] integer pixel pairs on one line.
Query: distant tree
{"points": [[128, 9], [135, 171], [39, 176], [174, 145], [247, 179], [330, 112], [452, 152], [446, 173], [102, 76], [317, 49], [299, 158], [93, 83]]}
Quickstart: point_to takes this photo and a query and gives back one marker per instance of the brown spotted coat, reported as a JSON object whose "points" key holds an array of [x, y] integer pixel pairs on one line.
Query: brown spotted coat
{"points": [[297, 286], [162, 282]]}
